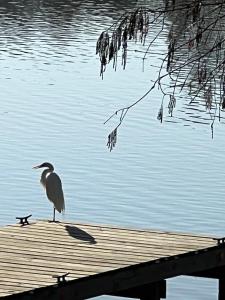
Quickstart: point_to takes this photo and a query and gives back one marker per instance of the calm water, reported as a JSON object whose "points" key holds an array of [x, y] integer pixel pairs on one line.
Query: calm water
{"points": [[166, 176]]}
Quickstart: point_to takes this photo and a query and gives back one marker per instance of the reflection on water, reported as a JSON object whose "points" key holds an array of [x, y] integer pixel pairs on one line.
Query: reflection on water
{"points": [[36, 29], [53, 105]]}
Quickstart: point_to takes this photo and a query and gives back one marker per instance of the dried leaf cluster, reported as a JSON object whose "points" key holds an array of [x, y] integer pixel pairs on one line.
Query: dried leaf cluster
{"points": [[112, 139], [133, 26]]}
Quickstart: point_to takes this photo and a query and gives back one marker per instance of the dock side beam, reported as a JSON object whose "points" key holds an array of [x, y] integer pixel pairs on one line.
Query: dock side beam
{"points": [[221, 294], [152, 291]]}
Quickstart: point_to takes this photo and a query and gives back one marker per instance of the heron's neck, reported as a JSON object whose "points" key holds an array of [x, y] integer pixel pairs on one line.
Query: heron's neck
{"points": [[50, 168], [44, 175]]}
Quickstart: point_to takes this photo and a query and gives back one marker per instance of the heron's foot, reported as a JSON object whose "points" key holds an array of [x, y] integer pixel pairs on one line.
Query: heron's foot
{"points": [[53, 221]]}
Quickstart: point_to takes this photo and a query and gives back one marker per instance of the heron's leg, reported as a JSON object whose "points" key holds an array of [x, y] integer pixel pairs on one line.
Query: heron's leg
{"points": [[53, 214]]}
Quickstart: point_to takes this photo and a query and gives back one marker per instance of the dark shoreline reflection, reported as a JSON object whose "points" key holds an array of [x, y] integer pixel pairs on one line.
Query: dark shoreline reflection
{"points": [[26, 23], [65, 10]]}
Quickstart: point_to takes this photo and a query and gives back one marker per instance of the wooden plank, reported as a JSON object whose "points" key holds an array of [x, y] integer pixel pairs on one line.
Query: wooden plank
{"points": [[32, 242], [81, 260], [122, 229], [125, 241], [13, 282], [41, 239], [79, 231], [103, 231], [108, 248], [18, 287], [67, 265], [54, 270], [106, 254], [42, 273], [126, 253]]}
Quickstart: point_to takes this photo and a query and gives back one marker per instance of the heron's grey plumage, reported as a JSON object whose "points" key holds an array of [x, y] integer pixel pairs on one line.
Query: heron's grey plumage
{"points": [[53, 186], [54, 191]]}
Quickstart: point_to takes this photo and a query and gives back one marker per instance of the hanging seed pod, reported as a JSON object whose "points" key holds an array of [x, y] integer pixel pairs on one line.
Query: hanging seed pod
{"points": [[102, 48], [140, 24], [160, 114], [105, 46], [198, 37], [171, 105], [223, 102], [124, 55], [125, 34], [208, 98], [166, 4], [99, 42], [111, 50], [114, 48], [196, 10], [202, 73], [103, 65], [219, 45], [112, 139], [223, 84], [119, 37], [102, 44], [132, 24], [171, 33], [222, 97], [123, 22], [171, 49], [145, 27]]}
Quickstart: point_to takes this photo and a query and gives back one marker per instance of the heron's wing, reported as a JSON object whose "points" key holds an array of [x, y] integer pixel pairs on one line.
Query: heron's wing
{"points": [[54, 191]]}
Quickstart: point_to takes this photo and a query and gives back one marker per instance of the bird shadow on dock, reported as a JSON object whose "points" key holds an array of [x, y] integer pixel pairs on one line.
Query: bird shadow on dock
{"points": [[80, 234]]}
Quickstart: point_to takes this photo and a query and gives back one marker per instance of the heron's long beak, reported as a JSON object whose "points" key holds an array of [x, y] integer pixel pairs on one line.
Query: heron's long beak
{"points": [[36, 167]]}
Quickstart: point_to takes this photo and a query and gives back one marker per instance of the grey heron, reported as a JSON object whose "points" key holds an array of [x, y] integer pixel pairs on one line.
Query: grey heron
{"points": [[53, 186]]}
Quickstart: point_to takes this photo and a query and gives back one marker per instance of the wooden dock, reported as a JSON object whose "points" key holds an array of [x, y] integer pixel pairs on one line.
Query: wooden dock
{"points": [[101, 260]]}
